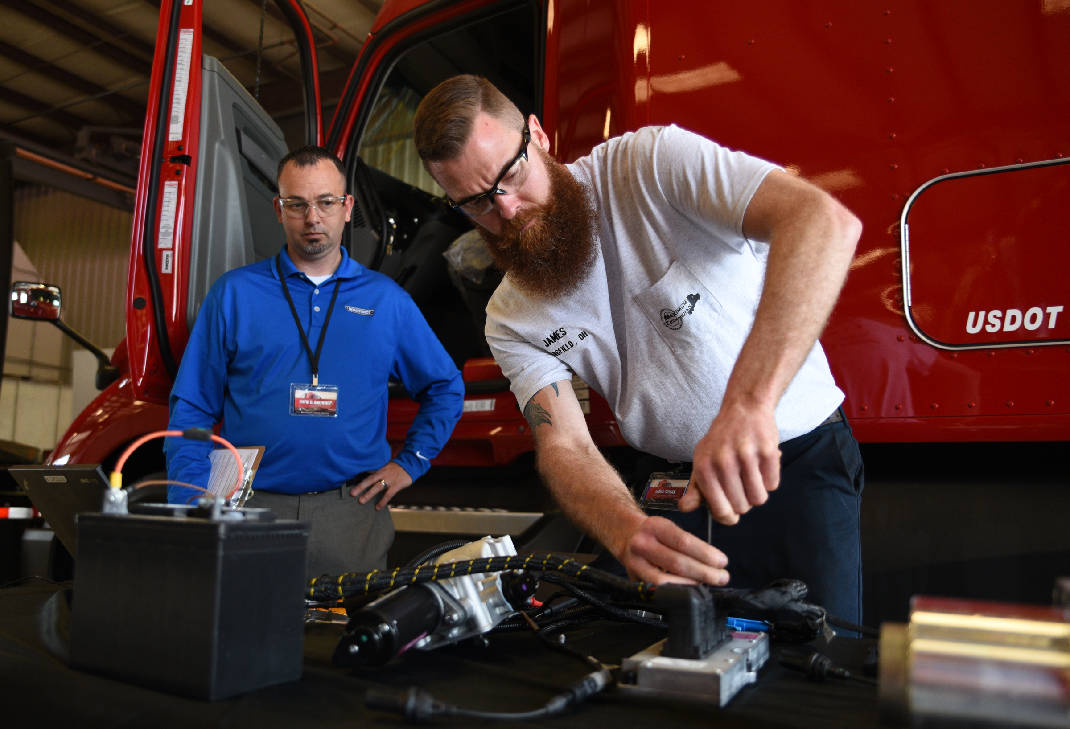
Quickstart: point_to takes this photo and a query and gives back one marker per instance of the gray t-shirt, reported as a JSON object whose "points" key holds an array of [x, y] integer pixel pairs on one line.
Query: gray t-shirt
{"points": [[658, 323]]}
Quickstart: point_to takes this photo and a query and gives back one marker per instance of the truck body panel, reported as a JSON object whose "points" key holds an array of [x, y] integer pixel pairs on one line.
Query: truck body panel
{"points": [[943, 126]]}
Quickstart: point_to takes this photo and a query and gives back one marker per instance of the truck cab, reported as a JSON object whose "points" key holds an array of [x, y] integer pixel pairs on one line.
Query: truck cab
{"points": [[948, 139]]}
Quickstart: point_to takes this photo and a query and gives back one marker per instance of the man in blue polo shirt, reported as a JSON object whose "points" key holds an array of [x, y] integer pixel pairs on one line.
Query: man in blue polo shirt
{"points": [[295, 353]]}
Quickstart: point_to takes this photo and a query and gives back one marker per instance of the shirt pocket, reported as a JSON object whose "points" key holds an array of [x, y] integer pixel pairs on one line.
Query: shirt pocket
{"points": [[681, 310]]}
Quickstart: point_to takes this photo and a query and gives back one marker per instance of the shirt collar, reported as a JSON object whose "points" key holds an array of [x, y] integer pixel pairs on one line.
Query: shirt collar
{"points": [[347, 267]]}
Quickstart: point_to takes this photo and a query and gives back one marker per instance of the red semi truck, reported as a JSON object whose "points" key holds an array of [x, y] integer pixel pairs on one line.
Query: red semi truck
{"points": [[944, 126]]}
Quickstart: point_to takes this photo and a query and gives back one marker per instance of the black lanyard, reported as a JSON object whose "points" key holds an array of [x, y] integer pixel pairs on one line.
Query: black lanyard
{"points": [[313, 357]]}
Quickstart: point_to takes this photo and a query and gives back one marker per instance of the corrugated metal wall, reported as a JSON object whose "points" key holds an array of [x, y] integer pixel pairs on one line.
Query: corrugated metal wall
{"points": [[82, 246]]}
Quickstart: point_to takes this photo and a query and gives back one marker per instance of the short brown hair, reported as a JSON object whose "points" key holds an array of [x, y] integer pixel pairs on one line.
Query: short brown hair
{"points": [[309, 156], [443, 121]]}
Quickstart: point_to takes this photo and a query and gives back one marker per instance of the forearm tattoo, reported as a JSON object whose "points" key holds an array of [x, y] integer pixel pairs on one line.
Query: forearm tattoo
{"points": [[536, 414]]}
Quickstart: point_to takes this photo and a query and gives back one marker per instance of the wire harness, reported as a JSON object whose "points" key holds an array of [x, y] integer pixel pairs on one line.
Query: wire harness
{"points": [[329, 588]]}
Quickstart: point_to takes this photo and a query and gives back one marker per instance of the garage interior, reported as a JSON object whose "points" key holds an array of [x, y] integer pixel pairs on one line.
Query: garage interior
{"points": [[74, 77], [980, 521]]}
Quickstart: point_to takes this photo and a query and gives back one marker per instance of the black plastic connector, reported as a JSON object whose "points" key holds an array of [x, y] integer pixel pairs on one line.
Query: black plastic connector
{"points": [[694, 629], [519, 588], [415, 704]]}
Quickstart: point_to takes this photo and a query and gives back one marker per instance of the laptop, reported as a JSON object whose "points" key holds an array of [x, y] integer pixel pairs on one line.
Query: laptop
{"points": [[62, 492]]}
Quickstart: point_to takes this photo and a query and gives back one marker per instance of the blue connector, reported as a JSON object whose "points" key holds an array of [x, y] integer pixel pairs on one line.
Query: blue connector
{"points": [[747, 626]]}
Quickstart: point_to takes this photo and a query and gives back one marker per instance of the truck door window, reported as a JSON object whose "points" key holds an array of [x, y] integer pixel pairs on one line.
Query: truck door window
{"points": [[401, 224]]}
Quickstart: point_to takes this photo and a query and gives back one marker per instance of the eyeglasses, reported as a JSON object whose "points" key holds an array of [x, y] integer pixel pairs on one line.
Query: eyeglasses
{"points": [[328, 205], [513, 175]]}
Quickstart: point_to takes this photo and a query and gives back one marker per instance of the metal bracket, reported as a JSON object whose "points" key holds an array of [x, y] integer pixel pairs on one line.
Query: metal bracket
{"points": [[714, 679]]}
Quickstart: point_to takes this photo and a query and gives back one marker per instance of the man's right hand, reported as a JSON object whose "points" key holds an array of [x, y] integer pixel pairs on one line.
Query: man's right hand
{"points": [[592, 494], [657, 551]]}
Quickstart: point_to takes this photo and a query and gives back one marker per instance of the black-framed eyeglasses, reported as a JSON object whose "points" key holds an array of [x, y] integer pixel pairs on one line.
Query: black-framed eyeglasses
{"points": [[513, 174], [296, 207]]}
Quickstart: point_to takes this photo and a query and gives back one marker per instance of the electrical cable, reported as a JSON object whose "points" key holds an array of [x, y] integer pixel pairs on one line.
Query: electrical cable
{"points": [[544, 633], [116, 478], [334, 588], [611, 610], [817, 667], [573, 617], [847, 625], [168, 482], [543, 616], [416, 704], [432, 552]]}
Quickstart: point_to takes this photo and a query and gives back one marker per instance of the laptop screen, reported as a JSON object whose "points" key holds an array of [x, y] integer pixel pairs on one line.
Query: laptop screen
{"points": [[62, 492]]}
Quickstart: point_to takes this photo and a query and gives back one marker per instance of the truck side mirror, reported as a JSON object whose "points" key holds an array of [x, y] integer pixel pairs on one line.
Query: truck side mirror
{"points": [[42, 302], [37, 301]]}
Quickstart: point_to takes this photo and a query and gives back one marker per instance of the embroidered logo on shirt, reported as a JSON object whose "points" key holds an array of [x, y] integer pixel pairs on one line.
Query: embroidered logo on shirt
{"points": [[674, 318], [358, 310]]}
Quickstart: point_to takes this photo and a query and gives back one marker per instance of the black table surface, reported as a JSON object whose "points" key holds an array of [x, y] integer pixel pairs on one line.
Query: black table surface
{"points": [[514, 672]]}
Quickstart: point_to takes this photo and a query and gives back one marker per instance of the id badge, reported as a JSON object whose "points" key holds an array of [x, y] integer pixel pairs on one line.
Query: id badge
{"points": [[663, 491], [317, 400]]}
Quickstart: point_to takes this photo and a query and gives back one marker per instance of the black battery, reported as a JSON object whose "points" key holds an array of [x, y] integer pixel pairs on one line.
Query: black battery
{"points": [[203, 607]]}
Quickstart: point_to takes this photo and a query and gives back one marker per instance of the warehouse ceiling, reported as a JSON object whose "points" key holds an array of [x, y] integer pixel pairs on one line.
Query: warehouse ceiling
{"points": [[74, 74]]}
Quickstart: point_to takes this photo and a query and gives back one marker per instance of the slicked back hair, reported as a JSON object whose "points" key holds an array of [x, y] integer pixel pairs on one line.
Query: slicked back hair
{"points": [[309, 156], [443, 121]]}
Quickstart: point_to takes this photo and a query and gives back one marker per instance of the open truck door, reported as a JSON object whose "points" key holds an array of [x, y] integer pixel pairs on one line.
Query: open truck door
{"points": [[402, 225], [205, 186], [203, 206]]}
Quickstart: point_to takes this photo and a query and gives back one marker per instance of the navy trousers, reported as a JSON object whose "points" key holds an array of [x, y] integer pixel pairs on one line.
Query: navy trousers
{"points": [[809, 527]]}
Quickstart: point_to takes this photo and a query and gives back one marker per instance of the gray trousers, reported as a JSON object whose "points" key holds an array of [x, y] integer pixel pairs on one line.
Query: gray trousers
{"points": [[344, 534]]}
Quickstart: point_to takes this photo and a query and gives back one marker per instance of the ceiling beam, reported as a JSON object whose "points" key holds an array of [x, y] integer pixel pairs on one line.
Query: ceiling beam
{"points": [[72, 122], [142, 59], [39, 65]]}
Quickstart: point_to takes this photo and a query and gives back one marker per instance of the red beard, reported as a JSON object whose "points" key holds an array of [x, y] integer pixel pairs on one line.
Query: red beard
{"points": [[555, 253]]}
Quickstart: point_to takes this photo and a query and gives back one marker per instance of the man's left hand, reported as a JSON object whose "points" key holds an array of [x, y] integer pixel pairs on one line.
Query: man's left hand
{"points": [[735, 464], [386, 481]]}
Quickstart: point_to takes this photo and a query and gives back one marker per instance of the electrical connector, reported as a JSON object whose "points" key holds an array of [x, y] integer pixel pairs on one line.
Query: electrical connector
{"points": [[415, 704], [817, 666], [694, 630]]}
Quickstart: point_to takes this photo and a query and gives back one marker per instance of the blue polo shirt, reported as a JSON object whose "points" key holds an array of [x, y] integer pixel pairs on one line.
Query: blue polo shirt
{"points": [[245, 352]]}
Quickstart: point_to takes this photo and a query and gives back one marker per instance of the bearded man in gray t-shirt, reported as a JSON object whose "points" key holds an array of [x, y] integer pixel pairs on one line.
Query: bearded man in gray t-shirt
{"points": [[687, 284]]}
